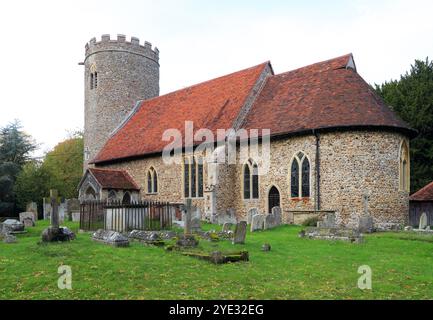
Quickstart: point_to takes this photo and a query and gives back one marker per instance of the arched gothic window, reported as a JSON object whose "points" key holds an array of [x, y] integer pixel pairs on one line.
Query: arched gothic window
{"points": [[152, 181], [112, 196], [126, 198], [193, 177], [300, 176], [404, 167], [251, 180]]}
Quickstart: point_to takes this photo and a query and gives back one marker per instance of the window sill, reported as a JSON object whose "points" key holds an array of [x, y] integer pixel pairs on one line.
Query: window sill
{"points": [[301, 199]]}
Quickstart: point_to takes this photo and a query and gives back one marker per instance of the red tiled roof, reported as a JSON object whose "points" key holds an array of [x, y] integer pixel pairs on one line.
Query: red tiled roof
{"points": [[114, 179], [323, 95], [214, 104], [425, 194]]}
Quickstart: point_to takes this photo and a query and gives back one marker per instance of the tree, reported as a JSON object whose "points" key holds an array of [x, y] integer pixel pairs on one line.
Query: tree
{"points": [[65, 165], [15, 145], [32, 184], [15, 149], [411, 98]]}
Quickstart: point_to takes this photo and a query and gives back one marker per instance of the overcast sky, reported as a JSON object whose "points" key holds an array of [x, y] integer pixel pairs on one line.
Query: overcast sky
{"points": [[42, 42]]}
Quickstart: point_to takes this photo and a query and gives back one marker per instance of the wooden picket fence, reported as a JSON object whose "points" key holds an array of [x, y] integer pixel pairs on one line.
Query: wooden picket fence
{"points": [[117, 216]]}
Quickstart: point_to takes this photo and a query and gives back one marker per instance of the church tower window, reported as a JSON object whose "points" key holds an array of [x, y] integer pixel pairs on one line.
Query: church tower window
{"points": [[404, 170]]}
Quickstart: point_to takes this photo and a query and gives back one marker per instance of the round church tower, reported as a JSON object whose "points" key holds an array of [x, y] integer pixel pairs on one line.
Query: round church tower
{"points": [[118, 74]]}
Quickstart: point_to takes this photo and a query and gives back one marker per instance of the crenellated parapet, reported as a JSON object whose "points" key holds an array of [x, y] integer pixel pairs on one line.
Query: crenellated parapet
{"points": [[121, 44]]}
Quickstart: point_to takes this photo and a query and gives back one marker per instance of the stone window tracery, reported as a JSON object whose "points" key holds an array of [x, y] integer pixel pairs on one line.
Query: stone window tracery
{"points": [[193, 177], [300, 176], [251, 180]]}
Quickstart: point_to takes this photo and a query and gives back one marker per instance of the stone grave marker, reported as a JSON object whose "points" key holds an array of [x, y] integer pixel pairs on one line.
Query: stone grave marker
{"points": [[423, 221], [366, 224], [276, 211], [240, 233], [251, 213], [227, 226], [257, 222], [28, 216]]}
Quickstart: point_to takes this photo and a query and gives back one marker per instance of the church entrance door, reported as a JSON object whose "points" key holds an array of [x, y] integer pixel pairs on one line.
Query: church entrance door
{"points": [[273, 199]]}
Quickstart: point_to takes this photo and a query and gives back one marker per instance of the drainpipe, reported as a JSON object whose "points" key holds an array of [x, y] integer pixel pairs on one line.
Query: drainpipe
{"points": [[316, 134]]}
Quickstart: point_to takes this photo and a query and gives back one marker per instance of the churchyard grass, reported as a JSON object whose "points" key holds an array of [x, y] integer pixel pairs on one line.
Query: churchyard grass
{"points": [[294, 269]]}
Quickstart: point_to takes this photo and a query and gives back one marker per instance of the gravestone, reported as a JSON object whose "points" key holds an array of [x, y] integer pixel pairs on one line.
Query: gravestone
{"points": [[28, 223], [47, 208], [111, 238], [33, 207], [12, 226], [423, 221], [240, 233], [251, 213], [366, 224], [228, 216], [28, 216], [329, 221], [63, 213], [9, 238], [276, 211], [257, 222], [75, 216], [227, 226], [56, 233], [195, 219]]}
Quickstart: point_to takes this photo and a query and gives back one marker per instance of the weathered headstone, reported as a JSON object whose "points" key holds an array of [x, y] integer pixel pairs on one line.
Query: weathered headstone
{"points": [[276, 211], [63, 212], [28, 223], [28, 216], [240, 233], [228, 216], [257, 222], [13, 226], [9, 238], [423, 221], [366, 224], [227, 226], [47, 208], [329, 221], [75, 216], [32, 207], [195, 219], [270, 222], [251, 213]]}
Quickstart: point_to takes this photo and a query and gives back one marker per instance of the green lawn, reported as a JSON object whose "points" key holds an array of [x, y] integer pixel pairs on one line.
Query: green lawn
{"points": [[295, 269]]}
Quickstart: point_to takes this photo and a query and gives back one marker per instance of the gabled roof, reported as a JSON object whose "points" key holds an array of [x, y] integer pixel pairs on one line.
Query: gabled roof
{"points": [[112, 179], [329, 94], [425, 194], [213, 104]]}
